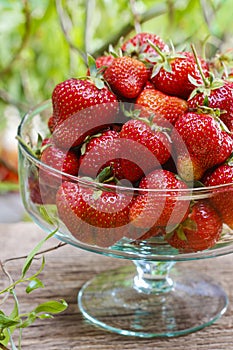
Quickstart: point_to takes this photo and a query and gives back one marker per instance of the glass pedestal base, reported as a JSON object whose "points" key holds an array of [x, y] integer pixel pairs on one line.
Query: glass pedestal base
{"points": [[113, 301]]}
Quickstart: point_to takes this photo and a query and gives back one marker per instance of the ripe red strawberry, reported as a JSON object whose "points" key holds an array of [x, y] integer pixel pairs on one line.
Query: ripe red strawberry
{"points": [[97, 220], [207, 144], [100, 151], [165, 107], [152, 232], [201, 230], [171, 74], [56, 158], [148, 85], [218, 96], [222, 198], [139, 45], [145, 149], [51, 123], [126, 77], [80, 108], [41, 193], [159, 208]]}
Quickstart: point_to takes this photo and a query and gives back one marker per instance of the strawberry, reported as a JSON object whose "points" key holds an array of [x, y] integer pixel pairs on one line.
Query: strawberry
{"points": [[207, 144], [217, 95], [152, 232], [214, 93], [100, 151], [126, 77], [171, 73], [58, 159], [41, 193], [152, 209], [97, 220], [222, 198], [221, 63], [145, 149], [148, 85], [201, 229], [80, 108], [140, 47], [165, 107], [51, 123]]}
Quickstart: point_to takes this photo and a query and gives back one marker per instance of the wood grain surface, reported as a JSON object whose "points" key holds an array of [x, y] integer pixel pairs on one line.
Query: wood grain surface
{"points": [[68, 268]]}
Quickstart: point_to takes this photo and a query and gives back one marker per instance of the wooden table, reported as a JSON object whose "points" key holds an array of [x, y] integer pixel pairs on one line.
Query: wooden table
{"points": [[67, 268]]}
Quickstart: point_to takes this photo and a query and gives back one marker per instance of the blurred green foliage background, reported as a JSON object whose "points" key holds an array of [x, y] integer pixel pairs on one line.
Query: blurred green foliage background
{"points": [[43, 42]]}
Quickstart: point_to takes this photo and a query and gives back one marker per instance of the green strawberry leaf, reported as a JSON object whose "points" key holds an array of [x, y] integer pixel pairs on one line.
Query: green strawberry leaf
{"points": [[104, 175], [87, 139], [115, 53], [197, 184], [156, 69], [189, 224], [91, 65], [193, 81], [206, 99], [97, 194], [181, 234], [167, 67], [99, 83]]}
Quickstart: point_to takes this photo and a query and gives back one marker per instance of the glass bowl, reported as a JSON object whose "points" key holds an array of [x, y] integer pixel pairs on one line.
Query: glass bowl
{"points": [[151, 297]]}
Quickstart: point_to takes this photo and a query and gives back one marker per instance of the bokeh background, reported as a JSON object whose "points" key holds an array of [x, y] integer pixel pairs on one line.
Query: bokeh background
{"points": [[43, 42]]}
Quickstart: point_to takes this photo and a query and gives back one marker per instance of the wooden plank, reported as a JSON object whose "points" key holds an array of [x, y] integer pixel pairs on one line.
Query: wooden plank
{"points": [[66, 270]]}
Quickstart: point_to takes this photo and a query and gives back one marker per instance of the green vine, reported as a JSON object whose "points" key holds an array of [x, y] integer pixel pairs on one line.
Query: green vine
{"points": [[16, 320]]}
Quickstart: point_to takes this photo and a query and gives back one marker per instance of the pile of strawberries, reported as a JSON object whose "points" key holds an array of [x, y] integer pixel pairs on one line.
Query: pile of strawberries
{"points": [[147, 118]]}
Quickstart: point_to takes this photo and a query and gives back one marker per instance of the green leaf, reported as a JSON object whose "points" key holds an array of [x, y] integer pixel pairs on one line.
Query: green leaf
{"points": [[181, 234], [45, 215], [31, 255], [6, 321], [91, 65], [97, 194], [167, 67], [156, 69], [99, 83], [15, 311], [53, 307], [35, 283], [190, 224], [104, 174], [193, 81], [45, 316]]}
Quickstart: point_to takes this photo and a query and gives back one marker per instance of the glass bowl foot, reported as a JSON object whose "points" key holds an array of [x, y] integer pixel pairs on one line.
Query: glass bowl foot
{"points": [[113, 301]]}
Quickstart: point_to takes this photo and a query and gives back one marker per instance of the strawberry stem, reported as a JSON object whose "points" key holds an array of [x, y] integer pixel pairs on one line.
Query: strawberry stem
{"points": [[157, 49], [206, 81], [25, 145]]}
